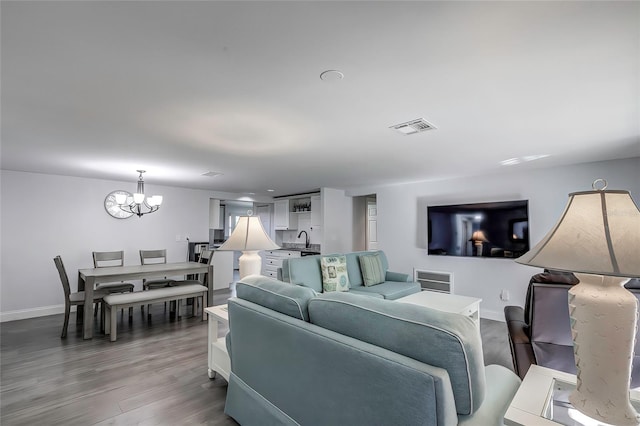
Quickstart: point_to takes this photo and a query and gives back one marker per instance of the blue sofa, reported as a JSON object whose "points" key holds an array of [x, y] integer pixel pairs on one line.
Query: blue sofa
{"points": [[301, 358], [306, 271]]}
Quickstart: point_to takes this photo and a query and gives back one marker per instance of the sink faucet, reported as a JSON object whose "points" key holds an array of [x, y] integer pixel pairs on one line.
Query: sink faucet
{"points": [[306, 240]]}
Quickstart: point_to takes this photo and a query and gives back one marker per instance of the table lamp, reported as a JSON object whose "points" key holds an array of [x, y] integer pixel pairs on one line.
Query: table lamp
{"points": [[478, 238], [598, 238], [249, 237]]}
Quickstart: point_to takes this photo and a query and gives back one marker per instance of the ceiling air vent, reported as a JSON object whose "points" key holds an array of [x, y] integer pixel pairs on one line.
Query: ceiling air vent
{"points": [[413, 126], [211, 174]]}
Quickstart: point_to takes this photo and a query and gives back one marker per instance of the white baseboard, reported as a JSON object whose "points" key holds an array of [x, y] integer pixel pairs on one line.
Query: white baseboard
{"points": [[492, 315], [42, 311]]}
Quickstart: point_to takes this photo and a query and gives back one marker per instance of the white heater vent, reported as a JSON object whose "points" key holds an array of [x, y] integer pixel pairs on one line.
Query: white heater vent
{"points": [[413, 126], [441, 282]]}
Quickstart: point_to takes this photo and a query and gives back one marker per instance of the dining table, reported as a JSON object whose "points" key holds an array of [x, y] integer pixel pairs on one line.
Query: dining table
{"points": [[88, 279]]}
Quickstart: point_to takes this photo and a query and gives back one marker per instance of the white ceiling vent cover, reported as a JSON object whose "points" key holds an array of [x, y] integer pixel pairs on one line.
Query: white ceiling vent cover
{"points": [[211, 174], [414, 126]]}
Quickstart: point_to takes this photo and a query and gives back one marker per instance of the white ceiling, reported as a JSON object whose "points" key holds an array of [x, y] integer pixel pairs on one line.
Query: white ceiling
{"points": [[100, 89]]}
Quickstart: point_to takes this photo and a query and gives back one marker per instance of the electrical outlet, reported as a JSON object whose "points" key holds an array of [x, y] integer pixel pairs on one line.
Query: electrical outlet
{"points": [[504, 295], [178, 237]]}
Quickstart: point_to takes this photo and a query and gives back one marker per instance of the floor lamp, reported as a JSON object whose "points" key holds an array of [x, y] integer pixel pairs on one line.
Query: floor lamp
{"points": [[598, 237], [249, 237]]}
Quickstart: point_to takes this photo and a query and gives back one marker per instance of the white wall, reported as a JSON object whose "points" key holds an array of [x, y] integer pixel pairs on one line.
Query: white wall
{"points": [[40, 217], [46, 215], [337, 224], [402, 222]]}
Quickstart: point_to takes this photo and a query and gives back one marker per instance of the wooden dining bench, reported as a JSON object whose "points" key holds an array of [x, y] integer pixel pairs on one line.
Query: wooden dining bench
{"points": [[114, 302]]}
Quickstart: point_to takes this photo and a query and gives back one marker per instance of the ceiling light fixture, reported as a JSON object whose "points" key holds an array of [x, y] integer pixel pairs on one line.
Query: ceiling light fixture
{"points": [[139, 204], [270, 190]]}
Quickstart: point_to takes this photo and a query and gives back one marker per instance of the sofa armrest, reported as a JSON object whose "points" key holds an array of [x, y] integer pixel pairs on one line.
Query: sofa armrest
{"points": [[521, 349], [502, 386], [396, 276]]}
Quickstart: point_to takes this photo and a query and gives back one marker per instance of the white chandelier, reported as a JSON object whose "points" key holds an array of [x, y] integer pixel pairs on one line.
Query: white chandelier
{"points": [[139, 204]]}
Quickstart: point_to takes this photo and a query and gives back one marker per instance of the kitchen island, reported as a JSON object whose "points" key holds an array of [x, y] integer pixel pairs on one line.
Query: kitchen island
{"points": [[222, 262]]}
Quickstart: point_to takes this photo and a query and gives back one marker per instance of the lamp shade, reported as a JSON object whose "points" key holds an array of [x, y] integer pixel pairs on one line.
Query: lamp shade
{"points": [[479, 236], [249, 235], [598, 233]]}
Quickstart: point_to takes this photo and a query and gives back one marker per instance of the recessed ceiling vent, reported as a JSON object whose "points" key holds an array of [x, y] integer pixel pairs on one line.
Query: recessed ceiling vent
{"points": [[211, 174], [414, 126]]}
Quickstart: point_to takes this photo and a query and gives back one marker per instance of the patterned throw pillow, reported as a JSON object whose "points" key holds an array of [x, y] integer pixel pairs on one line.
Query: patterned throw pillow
{"points": [[334, 273], [372, 271]]}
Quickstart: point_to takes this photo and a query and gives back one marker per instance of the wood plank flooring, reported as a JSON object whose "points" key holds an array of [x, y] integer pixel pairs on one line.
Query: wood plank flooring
{"points": [[155, 374]]}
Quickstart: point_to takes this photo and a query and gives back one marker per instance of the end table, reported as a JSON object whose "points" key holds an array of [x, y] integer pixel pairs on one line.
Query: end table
{"points": [[218, 360]]}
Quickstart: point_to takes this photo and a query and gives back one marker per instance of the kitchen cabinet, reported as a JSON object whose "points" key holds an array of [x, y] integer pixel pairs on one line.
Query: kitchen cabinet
{"points": [[222, 262], [316, 211], [272, 260], [283, 220], [316, 220]]}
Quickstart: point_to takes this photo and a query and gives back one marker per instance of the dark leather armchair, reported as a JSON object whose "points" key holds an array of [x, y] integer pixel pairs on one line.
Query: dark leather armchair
{"points": [[540, 333]]}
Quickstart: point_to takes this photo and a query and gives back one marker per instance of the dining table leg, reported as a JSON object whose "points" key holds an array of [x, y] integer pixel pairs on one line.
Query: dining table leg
{"points": [[80, 308], [88, 308]]}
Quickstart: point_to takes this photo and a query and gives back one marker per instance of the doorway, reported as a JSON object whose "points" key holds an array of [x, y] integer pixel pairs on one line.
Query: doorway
{"points": [[365, 222], [371, 235]]}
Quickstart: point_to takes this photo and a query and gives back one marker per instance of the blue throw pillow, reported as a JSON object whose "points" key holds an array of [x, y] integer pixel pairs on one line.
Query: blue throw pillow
{"points": [[372, 271]]}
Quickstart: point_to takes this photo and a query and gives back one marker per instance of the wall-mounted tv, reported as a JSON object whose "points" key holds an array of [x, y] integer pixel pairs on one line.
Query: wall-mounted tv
{"points": [[495, 229]]}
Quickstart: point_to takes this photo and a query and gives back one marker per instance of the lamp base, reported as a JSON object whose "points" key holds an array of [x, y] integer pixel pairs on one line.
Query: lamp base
{"points": [[250, 263], [479, 247], [603, 325]]}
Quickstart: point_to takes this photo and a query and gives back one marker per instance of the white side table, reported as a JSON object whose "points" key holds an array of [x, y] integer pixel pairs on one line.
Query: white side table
{"points": [[218, 361], [533, 403]]}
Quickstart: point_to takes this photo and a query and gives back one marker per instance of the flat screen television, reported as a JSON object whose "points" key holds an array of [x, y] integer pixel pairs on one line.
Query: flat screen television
{"points": [[495, 229]]}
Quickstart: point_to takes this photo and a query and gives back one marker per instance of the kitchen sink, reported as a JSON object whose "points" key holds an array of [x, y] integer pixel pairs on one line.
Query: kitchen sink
{"points": [[303, 251]]}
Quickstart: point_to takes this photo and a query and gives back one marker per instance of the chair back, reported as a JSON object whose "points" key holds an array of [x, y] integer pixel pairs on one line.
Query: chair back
{"points": [[206, 256], [153, 256], [64, 279], [103, 259]]}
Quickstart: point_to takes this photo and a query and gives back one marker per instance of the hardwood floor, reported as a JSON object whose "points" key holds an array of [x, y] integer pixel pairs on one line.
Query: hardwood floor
{"points": [[155, 374]]}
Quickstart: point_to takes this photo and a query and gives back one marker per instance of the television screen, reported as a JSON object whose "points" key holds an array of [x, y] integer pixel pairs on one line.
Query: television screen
{"points": [[497, 229]]}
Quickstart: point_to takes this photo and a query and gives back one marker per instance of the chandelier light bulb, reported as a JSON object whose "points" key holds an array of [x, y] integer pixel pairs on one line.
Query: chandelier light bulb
{"points": [[138, 198], [121, 199]]}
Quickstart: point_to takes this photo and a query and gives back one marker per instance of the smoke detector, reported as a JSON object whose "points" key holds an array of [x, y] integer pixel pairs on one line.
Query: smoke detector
{"points": [[331, 75], [414, 126]]}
